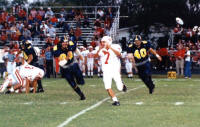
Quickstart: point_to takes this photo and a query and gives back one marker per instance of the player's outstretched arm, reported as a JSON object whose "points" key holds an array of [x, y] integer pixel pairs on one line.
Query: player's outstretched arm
{"points": [[30, 58], [154, 53], [69, 55], [98, 50], [27, 86]]}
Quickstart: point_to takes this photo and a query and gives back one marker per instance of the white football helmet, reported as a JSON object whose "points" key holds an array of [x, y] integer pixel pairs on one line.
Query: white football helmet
{"points": [[107, 39]]}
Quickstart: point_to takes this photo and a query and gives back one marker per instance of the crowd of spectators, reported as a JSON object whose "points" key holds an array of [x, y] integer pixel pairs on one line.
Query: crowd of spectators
{"points": [[175, 55], [48, 25], [41, 23], [187, 36]]}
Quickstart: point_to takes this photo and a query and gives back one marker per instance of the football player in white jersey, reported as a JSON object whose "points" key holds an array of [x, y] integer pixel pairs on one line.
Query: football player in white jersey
{"points": [[128, 65], [22, 77], [90, 61], [13, 81], [9, 60], [109, 55], [82, 62], [31, 73], [99, 67]]}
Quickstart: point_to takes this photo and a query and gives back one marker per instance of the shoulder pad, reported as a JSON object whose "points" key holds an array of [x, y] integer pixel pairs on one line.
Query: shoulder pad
{"points": [[55, 48], [71, 43], [144, 42]]}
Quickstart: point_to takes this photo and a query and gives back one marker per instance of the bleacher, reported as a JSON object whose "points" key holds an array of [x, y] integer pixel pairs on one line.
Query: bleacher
{"points": [[87, 32]]}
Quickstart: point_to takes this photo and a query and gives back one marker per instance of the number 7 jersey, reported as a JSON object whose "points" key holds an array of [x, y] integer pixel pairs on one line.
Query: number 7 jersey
{"points": [[140, 54], [108, 58]]}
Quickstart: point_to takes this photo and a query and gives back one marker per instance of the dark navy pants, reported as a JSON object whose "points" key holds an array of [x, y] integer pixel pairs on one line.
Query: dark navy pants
{"points": [[73, 75], [144, 72]]}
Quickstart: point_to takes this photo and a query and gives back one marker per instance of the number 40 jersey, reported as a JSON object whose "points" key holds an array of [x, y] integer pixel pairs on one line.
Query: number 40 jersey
{"points": [[140, 53]]}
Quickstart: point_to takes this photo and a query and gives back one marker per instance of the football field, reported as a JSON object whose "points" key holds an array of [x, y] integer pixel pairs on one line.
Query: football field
{"points": [[175, 103]]}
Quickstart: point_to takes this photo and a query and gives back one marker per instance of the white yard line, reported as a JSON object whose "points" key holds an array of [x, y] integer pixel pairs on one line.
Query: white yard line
{"points": [[63, 103], [28, 103], [68, 120], [139, 103], [179, 103]]}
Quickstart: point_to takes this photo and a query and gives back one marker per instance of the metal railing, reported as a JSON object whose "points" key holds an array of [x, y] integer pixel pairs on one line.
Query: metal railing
{"points": [[115, 25]]}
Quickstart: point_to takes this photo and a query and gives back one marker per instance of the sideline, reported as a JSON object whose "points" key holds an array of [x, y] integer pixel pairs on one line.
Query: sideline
{"points": [[68, 120]]}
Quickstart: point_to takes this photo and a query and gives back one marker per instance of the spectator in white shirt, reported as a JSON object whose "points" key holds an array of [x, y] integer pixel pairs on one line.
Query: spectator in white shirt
{"points": [[51, 31], [187, 63], [49, 13]]}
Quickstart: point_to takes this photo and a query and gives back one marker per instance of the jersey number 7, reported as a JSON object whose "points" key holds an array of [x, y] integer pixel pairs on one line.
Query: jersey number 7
{"points": [[108, 55]]}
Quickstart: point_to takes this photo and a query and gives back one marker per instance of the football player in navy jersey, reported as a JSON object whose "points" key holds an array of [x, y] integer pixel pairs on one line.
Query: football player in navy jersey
{"points": [[69, 65], [31, 58], [139, 52]]}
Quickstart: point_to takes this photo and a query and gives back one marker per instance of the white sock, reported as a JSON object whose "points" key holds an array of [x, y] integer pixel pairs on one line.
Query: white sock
{"points": [[92, 73], [114, 98], [17, 91], [12, 89]]}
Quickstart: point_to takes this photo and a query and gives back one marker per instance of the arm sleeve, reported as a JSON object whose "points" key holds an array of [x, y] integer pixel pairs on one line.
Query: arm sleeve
{"points": [[56, 51], [72, 46], [129, 49], [148, 44], [117, 47], [29, 51]]}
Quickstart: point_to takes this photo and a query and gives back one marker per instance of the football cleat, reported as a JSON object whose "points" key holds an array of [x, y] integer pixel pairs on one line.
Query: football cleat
{"points": [[151, 90], [116, 103], [124, 88], [82, 97], [40, 91], [7, 92]]}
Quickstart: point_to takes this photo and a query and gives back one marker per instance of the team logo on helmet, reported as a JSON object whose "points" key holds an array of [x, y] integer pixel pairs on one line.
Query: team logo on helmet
{"points": [[137, 38]]}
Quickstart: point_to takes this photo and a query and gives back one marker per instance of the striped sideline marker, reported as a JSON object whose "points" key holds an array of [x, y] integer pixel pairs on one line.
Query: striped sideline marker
{"points": [[68, 120]]}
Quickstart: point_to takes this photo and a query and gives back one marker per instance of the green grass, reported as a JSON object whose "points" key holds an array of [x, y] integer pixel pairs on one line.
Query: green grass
{"points": [[60, 102]]}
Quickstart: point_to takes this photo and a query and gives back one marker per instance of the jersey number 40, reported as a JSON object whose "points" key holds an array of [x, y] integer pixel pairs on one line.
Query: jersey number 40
{"points": [[140, 53]]}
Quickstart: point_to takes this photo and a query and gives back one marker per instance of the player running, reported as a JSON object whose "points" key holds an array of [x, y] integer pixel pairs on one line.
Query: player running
{"points": [[69, 65], [109, 56], [139, 52]]}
